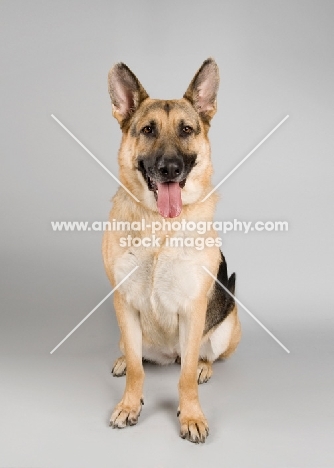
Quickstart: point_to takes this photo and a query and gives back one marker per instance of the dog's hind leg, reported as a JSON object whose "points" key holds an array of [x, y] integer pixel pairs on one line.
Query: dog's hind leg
{"points": [[235, 335], [220, 344]]}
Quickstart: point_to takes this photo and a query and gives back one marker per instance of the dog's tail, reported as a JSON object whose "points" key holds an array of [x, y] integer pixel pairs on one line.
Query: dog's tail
{"points": [[228, 282]]}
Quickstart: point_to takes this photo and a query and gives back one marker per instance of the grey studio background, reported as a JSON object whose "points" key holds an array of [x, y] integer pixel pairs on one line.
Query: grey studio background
{"points": [[266, 408]]}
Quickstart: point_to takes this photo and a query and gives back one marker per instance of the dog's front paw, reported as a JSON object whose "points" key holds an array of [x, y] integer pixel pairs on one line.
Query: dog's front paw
{"points": [[119, 368], [125, 414], [195, 429]]}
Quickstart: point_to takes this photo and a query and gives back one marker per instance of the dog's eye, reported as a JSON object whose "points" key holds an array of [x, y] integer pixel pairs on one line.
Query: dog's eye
{"points": [[187, 130], [147, 130]]}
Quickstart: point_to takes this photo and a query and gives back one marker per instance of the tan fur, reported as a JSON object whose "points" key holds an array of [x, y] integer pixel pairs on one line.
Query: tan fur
{"points": [[146, 319], [235, 337]]}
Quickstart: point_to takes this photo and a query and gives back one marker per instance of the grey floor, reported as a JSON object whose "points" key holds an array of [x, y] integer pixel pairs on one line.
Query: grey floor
{"points": [[266, 408]]}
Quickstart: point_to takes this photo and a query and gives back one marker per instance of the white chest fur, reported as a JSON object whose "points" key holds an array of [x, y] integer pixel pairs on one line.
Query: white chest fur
{"points": [[164, 285], [168, 279]]}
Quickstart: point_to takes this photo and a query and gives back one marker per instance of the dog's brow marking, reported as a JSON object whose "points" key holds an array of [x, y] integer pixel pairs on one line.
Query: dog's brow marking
{"points": [[94, 157], [167, 108], [246, 157], [248, 311], [95, 308]]}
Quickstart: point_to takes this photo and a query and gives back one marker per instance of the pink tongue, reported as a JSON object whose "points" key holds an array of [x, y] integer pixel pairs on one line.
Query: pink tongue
{"points": [[169, 199]]}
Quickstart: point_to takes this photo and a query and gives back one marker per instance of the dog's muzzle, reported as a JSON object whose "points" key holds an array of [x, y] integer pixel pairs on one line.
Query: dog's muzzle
{"points": [[166, 176]]}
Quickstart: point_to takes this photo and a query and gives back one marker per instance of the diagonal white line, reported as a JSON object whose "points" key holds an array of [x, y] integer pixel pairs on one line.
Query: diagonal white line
{"points": [[94, 157], [92, 311], [246, 157], [248, 311]]}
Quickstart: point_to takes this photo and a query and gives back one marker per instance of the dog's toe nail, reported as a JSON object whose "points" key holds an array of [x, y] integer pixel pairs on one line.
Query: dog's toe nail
{"points": [[183, 433], [178, 413]]}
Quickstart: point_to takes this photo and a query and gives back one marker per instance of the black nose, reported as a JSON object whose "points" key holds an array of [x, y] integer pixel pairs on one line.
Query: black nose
{"points": [[170, 168]]}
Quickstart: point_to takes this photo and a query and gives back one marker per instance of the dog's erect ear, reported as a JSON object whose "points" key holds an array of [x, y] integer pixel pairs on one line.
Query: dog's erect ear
{"points": [[125, 91], [202, 91]]}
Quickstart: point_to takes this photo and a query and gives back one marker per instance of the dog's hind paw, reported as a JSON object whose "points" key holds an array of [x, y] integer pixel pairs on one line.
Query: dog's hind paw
{"points": [[119, 368], [204, 371]]}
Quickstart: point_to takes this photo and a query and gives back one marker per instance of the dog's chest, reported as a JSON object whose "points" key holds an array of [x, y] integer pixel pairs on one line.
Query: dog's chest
{"points": [[163, 285]]}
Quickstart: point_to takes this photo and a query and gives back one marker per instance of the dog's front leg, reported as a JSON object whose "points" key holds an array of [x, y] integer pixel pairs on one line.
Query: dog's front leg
{"points": [[194, 426], [128, 409]]}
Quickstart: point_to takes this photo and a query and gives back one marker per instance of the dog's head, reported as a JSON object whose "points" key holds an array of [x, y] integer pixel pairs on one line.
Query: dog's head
{"points": [[165, 153]]}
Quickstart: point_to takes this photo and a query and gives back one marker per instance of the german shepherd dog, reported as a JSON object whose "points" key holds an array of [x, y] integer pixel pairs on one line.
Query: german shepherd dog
{"points": [[170, 309]]}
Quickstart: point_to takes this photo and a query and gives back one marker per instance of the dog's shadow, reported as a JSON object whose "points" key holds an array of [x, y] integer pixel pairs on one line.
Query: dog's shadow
{"points": [[164, 405], [167, 406]]}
